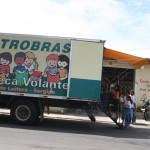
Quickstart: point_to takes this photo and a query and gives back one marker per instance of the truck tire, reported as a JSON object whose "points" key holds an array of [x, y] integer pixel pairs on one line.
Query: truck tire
{"points": [[23, 112]]}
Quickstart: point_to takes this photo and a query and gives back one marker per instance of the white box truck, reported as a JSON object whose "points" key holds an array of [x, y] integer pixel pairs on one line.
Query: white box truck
{"points": [[38, 71]]}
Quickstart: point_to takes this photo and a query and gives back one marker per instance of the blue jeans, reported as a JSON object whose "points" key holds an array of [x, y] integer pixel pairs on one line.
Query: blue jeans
{"points": [[127, 116], [133, 115], [104, 102]]}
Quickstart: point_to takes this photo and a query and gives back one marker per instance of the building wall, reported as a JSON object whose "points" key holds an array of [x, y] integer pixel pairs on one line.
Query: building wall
{"points": [[142, 84]]}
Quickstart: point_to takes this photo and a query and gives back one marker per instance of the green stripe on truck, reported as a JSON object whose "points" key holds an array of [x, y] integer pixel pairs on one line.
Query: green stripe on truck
{"points": [[84, 89]]}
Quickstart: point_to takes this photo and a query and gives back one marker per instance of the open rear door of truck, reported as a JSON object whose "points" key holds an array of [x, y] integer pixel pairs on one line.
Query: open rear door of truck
{"points": [[85, 70]]}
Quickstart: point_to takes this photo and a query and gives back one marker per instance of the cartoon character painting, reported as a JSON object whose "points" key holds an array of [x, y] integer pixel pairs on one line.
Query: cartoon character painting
{"points": [[5, 60], [31, 65], [20, 71], [63, 66], [30, 62], [51, 71]]}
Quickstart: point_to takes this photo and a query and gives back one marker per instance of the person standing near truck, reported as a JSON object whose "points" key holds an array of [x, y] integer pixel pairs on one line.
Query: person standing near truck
{"points": [[105, 95], [116, 99], [133, 107], [127, 104]]}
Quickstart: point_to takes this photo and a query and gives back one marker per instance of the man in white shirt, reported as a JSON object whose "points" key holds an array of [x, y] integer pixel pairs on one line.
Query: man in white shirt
{"points": [[126, 102], [133, 107]]}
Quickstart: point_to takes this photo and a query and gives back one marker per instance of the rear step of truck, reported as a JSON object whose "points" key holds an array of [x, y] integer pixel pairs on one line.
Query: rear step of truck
{"points": [[117, 121], [99, 111]]}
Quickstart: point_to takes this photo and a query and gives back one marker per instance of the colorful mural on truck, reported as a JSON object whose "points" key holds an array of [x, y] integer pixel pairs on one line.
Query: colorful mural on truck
{"points": [[37, 65]]}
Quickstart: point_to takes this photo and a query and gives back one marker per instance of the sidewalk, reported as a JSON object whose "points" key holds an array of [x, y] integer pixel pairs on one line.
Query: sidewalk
{"points": [[101, 117]]}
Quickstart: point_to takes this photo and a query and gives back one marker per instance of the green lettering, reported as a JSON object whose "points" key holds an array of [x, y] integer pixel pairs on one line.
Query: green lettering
{"points": [[66, 48], [46, 45], [14, 44], [4, 41], [35, 45], [56, 47], [24, 45]]}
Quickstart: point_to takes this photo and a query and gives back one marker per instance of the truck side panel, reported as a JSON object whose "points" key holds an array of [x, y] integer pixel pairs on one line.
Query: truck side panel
{"points": [[85, 70], [39, 66], [34, 65]]}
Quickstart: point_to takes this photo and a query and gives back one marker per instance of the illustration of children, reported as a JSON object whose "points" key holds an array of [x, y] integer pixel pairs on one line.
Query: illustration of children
{"points": [[5, 60], [51, 71], [20, 71], [32, 66], [30, 62], [63, 66]]}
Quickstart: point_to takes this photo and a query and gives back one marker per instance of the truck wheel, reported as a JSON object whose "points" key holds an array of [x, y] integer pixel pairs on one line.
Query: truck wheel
{"points": [[23, 112]]}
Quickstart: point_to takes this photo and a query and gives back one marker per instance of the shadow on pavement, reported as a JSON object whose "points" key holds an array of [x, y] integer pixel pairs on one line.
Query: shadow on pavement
{"points": [[103, 128]]}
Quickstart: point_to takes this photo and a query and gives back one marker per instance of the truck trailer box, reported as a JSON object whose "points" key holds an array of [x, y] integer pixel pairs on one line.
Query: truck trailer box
{"points": [[54, 68]]}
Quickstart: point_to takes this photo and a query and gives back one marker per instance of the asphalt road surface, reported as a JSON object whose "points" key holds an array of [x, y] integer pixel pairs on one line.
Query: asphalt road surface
{"points": [[60, 132]]}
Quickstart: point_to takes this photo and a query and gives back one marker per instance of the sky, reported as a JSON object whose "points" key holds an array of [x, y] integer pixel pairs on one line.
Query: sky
{"points": [[124, 24]]}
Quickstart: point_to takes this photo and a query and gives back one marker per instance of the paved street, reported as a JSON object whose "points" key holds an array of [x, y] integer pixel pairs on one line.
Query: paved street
{"points": [[66, 132]]}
